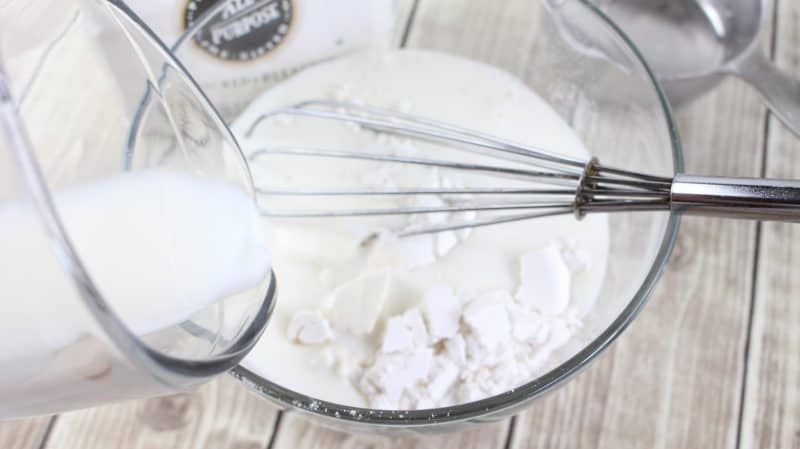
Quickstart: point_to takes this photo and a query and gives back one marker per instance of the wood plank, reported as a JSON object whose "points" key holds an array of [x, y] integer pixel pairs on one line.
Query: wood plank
{"points": [[673, 380], [771, 416], [24, 434], [478, 30], [221, 414], [297, 432], [403, 13]]}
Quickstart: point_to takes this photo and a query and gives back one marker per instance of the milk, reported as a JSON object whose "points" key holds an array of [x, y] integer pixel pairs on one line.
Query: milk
{"points": [[159, 245]]}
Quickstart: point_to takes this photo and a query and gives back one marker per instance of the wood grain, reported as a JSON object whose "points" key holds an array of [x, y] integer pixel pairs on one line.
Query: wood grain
{"points": [[24, 434], [673, 380], [478, 29], [221, 415], [297, 432], [771, 415]]}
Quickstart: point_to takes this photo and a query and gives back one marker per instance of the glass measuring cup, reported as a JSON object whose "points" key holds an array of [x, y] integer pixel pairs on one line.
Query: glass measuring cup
{"points": [[79, 121]]}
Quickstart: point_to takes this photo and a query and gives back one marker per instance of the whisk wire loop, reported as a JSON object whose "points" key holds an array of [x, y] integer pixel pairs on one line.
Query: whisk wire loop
{"points": [[581, 186]]}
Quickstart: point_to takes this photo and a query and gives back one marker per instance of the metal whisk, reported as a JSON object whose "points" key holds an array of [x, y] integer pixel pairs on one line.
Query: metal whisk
{"points": [[575, 186]]}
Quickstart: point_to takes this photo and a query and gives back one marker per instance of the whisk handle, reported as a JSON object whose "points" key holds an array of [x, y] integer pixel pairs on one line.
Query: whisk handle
{"points": [[754, 198]]}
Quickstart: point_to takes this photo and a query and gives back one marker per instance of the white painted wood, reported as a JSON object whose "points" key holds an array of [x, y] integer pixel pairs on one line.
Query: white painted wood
{"points": [[771, 416], [221, 414], [24, 434]]}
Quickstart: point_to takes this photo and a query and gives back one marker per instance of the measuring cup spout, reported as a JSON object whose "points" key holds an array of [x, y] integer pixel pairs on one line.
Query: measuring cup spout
{"points": [[780, 90]]}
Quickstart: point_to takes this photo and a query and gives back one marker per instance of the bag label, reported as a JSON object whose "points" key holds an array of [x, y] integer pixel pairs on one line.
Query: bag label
{"points": [[241, 30]]}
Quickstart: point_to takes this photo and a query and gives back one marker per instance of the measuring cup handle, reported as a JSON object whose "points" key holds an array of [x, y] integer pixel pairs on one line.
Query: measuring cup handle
{"points": [[780, 90], [754, 198]]}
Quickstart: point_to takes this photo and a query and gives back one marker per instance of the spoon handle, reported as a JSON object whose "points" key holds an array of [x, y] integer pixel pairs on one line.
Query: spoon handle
{"points": [[780, 90]]}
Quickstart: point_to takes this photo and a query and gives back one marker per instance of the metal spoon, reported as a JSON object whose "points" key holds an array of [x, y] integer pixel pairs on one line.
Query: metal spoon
{"points": [[693, 44]]}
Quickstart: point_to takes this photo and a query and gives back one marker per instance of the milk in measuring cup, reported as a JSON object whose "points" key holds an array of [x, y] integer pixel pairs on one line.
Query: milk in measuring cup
{"points": [[159, 245]]}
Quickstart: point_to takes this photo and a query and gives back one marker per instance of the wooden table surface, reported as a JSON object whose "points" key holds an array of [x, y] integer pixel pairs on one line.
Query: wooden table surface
{"points": [[712, 362]]}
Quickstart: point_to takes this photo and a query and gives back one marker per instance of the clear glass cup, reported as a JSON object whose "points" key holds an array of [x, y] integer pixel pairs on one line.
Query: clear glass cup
{"points": [[75, 110], [596, 79]]}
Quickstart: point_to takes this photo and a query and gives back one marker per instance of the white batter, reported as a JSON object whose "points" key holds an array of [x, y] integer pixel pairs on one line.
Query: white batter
{"points": [[423, 321]]}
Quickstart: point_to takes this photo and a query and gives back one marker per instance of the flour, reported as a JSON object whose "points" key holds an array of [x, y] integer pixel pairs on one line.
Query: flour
{"points": [[309, 327], [545, 280], [482, 347]]}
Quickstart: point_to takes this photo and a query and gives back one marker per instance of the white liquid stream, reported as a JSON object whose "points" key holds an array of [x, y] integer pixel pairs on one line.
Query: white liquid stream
{"points": [[313, 257]]}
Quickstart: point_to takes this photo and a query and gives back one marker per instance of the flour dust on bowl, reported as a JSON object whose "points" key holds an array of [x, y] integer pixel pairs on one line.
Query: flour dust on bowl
{"points": [[133, 259], [359, 303]]}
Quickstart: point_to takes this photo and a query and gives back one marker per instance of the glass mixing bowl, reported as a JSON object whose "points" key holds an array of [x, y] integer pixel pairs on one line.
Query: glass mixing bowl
{"points": [[595, 78], [69, 101]]}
